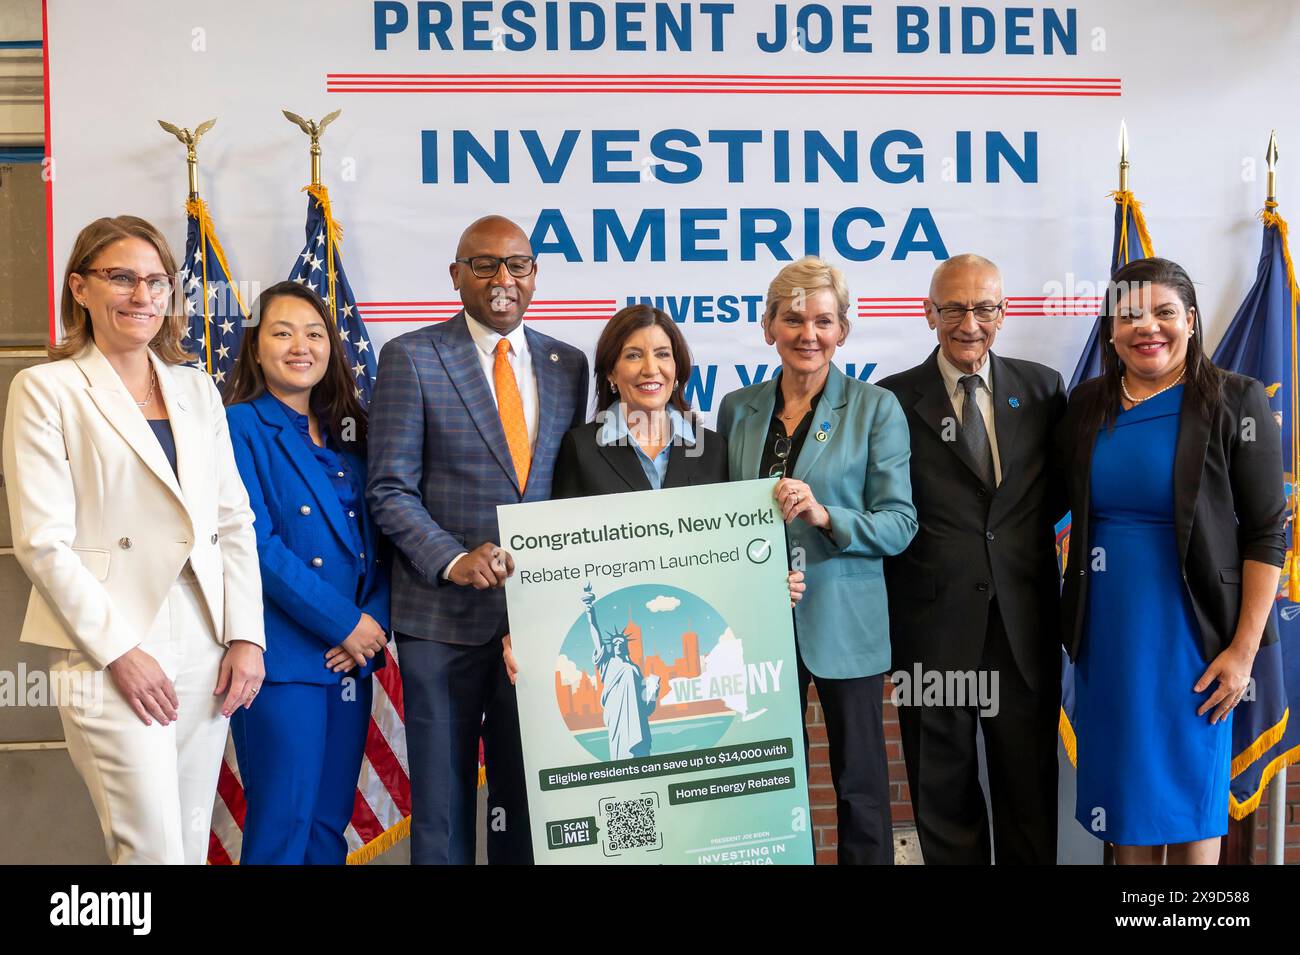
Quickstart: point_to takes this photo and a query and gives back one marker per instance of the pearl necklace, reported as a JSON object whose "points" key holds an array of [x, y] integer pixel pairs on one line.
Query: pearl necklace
{"points": [[1137, 401]]}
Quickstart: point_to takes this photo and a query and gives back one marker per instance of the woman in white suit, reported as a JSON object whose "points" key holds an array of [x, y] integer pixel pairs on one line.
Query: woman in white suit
{"points": [[131, 521]]}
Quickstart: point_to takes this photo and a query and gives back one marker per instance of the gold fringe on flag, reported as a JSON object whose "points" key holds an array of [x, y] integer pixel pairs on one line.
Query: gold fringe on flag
{"points": [[1124, 199], [333, 238], [1272, 220], [381, 843]]}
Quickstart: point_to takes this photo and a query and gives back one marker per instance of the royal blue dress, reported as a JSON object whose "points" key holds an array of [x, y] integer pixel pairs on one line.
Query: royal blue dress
{"points": [[1150, 771]]}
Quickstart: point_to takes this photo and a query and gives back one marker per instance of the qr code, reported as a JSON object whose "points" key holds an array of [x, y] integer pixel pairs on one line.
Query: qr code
{"points": [[630, 824]]}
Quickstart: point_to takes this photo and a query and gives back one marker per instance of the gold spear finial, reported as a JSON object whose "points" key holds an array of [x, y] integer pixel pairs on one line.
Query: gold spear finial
{"points": [[1270, 157], [1123, 156], [314, 130], [190, 140]]}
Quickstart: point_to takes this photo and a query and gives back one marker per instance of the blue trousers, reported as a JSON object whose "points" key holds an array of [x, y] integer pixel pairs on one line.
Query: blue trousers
{"points": [[299, 748]]}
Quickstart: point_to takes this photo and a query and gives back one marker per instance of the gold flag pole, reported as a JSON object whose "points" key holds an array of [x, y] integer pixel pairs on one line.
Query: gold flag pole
{"points": [[1123, 156], [314, 130], [318, 192], [190, 141], [1270, 157]]}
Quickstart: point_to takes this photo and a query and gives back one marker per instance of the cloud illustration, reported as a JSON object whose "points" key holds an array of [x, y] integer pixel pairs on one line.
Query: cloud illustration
{"points": [[662, 603], [569, 673]]}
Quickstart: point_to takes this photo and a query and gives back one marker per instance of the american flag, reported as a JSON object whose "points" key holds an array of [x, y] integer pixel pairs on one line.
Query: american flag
{"points": [[214, 312], [320, 265], [381, 811]]}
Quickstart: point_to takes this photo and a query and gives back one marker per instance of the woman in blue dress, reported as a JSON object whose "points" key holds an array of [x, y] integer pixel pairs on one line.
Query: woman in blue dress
{"points": [[1174, 468], [299, 434]]}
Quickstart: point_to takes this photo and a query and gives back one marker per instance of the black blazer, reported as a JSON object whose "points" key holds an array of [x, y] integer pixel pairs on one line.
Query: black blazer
{"points": [[975, 542], [1228, 506], [585, 467]]}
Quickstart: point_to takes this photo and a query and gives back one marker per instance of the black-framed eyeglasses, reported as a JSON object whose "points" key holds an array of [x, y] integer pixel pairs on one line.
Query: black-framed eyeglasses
{"points": [[781, 448], [952, 314], [486, 266], [158, 284]]}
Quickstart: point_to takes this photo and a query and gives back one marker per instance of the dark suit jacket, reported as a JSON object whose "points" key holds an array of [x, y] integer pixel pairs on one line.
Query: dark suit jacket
{"points": [[439, 466], [586, 467], [974, 541], [1228, 506], [308, 607]]}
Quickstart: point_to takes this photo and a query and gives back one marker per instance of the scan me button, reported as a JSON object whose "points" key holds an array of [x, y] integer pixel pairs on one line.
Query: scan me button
{"points": [[571, 832]]}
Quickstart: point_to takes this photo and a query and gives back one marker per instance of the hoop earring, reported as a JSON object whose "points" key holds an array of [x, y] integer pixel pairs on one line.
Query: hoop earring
{"points": [[613, 388]]}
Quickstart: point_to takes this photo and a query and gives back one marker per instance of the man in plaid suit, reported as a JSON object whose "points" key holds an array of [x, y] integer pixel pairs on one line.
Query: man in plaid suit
{"points": [[466, 415]]}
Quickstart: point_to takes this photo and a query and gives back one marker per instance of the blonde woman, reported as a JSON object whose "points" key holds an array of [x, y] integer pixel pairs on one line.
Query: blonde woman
{"points": [[130, 518], [840, 450]]}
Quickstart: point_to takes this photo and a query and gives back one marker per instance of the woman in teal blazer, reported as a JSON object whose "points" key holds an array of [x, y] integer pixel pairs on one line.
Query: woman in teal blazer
{"points": [[840, 448]]}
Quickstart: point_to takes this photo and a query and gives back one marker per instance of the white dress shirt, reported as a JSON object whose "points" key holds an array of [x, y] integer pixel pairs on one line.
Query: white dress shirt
{"points": [[521, 362], [952, 376]]}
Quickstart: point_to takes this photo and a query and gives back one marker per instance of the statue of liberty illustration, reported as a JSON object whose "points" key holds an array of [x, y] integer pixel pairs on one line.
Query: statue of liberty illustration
{"points": [[626, 698]]}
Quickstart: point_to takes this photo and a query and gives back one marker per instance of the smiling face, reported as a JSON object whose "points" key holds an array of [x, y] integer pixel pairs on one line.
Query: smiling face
{"points": [[965, 342], [122, 321], [293, 347], [500, 300], [1151, 328], [646, 372], [806, 330]]}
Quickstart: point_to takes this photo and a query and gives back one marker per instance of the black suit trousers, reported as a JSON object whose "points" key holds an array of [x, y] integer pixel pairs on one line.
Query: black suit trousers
{"points": [[855, 730], [453, 694], [939, 747]]}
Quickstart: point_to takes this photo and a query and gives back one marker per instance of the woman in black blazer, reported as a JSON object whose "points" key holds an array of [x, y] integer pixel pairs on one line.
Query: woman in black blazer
{"points": [[1174, 470], [645, 436]]}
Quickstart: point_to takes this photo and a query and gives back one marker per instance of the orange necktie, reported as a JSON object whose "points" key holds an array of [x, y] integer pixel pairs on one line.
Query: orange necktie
{"points": [[511, 408]]}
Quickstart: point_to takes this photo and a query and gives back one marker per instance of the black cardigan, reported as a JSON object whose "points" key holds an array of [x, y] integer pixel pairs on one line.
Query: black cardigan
{"points": [[1228, 506]]}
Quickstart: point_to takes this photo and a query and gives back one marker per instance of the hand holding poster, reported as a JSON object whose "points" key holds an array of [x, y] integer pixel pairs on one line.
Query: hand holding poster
{"points": [[658, 694]]}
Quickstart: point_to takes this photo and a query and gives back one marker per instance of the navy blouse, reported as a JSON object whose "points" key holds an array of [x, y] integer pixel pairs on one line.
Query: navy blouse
{"points": [[162, 429]]}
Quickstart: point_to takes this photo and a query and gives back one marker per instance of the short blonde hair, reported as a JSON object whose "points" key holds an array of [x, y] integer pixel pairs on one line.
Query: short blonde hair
{"points": [[92, 240], [809, 274]]}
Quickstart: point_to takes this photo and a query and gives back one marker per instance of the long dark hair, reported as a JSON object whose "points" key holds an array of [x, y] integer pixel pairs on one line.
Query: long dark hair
{"points": [[610, 345], [334, 399], [1201, 378]]}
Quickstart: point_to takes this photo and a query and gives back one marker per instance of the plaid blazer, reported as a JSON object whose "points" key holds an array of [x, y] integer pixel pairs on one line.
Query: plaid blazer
{"points": [[439, 466]]}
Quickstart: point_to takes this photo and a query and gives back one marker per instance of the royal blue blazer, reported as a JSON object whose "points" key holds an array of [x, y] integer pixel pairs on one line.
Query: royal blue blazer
{"points": [[310, 571]]}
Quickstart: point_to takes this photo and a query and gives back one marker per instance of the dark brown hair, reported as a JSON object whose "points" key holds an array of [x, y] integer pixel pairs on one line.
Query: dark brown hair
{"points": [[610, 346], [1201, 378], [334, 399], [92, 240]]}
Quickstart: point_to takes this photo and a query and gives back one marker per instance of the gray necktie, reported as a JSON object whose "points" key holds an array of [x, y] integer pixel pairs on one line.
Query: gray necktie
{"points": [[974, 432]]}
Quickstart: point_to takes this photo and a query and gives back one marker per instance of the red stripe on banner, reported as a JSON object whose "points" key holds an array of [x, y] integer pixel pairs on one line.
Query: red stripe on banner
{"points": [[536, 302], [49, 180], [364, 820], [217, 854], [669, 85], [232, 794], [445, 318], [388, 769], [771, 91], [735, 76], [390, 678]]}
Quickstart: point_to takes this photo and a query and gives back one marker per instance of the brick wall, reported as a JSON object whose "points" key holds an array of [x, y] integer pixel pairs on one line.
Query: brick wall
{"points": [[1291, 854], [821, 794]]}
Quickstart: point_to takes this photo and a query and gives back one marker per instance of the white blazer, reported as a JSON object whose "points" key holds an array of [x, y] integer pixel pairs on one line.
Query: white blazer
{"points": [[100, 523]]}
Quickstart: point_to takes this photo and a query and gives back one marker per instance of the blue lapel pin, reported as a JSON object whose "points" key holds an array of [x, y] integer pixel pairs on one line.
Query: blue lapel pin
{"points": [[1014, 402]]}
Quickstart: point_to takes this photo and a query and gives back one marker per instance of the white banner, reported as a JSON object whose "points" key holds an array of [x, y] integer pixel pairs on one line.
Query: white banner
{"points": [[682, 152]]}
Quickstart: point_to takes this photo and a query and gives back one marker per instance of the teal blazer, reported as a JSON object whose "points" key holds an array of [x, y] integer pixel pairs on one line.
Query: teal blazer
{"points": [[860, 473]]}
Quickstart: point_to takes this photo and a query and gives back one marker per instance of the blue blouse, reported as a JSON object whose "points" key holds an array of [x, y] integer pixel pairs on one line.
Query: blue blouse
{"points": [[337, 468], [162, 429]]}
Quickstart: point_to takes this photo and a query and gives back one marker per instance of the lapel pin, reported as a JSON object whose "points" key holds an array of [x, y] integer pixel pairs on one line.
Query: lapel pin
{"points": [[554, 357], [1014, 402], [821, 436]]}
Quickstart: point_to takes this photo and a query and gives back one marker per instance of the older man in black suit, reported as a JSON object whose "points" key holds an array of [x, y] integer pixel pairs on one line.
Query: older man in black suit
{"points": [[973, 601]]}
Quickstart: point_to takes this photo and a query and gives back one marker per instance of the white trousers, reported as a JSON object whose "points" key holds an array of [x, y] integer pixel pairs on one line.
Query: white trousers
{"points": [[153, 786]]}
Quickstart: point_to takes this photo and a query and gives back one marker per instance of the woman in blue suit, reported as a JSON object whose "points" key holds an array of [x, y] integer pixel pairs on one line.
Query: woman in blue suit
{"points": [[840, 448], [299, 436]]}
